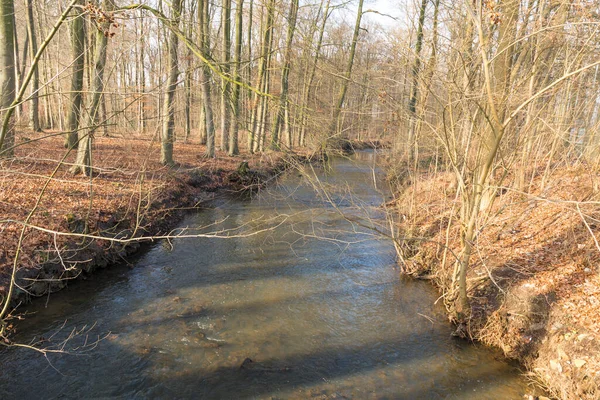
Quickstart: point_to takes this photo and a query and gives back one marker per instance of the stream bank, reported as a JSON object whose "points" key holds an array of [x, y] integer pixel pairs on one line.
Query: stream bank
{"points": [[130, 197], [534, 279]]}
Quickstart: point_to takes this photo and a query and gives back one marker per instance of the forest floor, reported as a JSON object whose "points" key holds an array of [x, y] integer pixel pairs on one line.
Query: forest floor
{"points": [[129, 196], [535, 273]]}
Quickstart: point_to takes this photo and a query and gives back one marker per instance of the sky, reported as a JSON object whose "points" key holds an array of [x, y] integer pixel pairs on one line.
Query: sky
{"points": [[388, 7], [391, 8]]}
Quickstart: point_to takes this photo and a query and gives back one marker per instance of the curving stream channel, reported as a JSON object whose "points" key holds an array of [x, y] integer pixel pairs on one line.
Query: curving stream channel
{"points": [[311, 307]]}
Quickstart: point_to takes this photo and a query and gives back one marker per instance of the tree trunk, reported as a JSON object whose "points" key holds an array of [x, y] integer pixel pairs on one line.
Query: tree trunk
{"points": [[225, 89], [7, 74], [504, 61], [414, 94], [208, 113], [167, 136], [259, 112], [76, 95], [34, 113], [188, 81], [247, 93], [188, 98], [347, 74], [140, 74], [202, 118], [203, 22], [19, 71], [427, 79], [83, 163], [311, 77], [254, 98], [282, 117], [233, 136]]}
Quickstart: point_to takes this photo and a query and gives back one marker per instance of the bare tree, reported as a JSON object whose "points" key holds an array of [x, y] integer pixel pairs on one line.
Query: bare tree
{"points": [[168, 135], [258, 124], [225, 86], [233, 137], [34, 113], [412, 103], [282, 118], [347, 74], [105, 21], [205, 76], [7, 74], [78, 69]]}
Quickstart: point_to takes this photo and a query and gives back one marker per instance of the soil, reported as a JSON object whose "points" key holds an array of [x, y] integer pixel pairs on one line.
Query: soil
{"points": [[534, 278], [130, 195]]}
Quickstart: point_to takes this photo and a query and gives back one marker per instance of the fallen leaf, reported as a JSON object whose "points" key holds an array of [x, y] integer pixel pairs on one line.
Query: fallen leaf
{"points": [[555, 365]]}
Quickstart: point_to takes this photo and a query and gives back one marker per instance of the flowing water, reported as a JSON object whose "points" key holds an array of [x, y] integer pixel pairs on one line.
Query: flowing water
{"points": [[314, 300]]}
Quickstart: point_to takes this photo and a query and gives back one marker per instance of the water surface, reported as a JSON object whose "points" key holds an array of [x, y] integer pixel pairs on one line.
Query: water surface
{"points": [[315, 301]]}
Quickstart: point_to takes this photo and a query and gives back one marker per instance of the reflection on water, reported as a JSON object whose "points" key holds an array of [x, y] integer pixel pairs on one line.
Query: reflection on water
{"points": [[312, 308]]}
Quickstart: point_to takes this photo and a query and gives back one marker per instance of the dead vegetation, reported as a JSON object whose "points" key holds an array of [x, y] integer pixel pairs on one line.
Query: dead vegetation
{"points": [[534, 282], [129, 195]]}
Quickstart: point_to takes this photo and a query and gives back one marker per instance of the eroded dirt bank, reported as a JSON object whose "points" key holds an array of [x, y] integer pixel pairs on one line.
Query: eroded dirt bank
{"points": [[130, 196], [534, 279]]}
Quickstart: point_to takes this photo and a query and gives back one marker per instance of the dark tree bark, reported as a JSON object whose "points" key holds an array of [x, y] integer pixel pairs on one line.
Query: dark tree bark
{"points": [[7, 74], [76, 95], [83, 163], [168, 136]]}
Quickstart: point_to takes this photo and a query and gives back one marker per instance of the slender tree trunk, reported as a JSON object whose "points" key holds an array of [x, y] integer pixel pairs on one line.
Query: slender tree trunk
{"points": [[7, 73], [414, 95], [202, 117], [142, 68], [282, 117], [247, 93], [103, 116], [233, 136], [188, 98], [34, 113], [259, 79], [264, 110], [311, 76], [19, 66], [168, 136], [188, 82], [48, 120], [503, 62], [258, 124], [364, 98], [76, 95], [205, 74], [83, 163], [347, 74], [427, 79], [225, 89], [485, 165]]}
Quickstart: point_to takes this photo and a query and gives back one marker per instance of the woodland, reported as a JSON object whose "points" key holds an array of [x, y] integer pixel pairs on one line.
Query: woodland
{"points": [[117, 115]]}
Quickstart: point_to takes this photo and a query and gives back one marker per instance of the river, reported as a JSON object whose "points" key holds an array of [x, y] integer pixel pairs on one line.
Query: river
{"points": [[311, 307]]}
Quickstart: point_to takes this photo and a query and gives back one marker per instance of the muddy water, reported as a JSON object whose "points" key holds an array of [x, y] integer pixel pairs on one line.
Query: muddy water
{"points": [[315, 301]]}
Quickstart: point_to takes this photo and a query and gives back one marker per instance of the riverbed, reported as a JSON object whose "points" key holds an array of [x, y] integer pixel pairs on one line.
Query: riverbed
{"points": [[297, 296]]}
